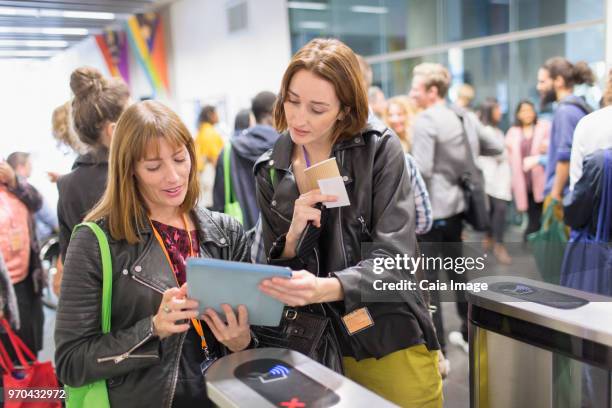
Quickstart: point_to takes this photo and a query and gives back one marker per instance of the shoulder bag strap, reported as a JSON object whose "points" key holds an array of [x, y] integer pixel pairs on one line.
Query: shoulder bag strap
{"points": [[227, 181], [107, 273]]}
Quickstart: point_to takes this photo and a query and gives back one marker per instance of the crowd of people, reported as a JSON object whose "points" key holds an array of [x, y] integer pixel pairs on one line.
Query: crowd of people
{"points": [[161, 195]]}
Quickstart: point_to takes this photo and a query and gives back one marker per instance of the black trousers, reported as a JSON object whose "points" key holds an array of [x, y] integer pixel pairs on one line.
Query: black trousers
{"points": [[444, 240], [31, 316], [497, 216], [534, 215]]}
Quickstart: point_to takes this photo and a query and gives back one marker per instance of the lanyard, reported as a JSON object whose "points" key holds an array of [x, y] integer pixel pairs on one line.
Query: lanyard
{"points": [[306, 158], [197, 325]]}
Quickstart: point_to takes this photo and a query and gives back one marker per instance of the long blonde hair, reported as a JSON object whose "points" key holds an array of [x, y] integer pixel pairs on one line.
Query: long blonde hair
{"points": [[122, 204], [410, 111]]}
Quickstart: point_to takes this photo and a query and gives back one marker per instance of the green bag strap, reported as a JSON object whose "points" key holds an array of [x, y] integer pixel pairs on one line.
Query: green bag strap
{"points": [[107, 273], [273, 176], [549, 215], [226, 174]]}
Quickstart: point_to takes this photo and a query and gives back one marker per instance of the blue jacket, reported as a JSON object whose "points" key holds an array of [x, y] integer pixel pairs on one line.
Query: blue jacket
{"points": [[581, 208], [246, 149]]}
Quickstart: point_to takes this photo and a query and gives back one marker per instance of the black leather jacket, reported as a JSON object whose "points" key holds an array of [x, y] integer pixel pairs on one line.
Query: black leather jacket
{"points": [[141, 370], [379, 223]]}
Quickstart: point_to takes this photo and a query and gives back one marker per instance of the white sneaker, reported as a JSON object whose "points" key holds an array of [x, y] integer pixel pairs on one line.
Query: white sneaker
{"points": [[456, 338]]}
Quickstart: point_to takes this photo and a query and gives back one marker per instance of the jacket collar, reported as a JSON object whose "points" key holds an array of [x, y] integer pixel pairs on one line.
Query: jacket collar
{"points": [[283, 149], [208, 229]]}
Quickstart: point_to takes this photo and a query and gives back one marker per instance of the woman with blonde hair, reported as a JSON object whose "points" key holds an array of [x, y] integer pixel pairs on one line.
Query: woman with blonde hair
{"points": [[158, 349], [398, 116], [63, 129], [322, 113]]}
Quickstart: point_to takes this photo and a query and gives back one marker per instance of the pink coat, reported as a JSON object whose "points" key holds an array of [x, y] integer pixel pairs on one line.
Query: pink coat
{"points": [[539, 146]]}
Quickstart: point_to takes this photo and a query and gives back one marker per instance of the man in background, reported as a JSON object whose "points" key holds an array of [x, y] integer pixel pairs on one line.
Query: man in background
{"points": [[245, 150]]}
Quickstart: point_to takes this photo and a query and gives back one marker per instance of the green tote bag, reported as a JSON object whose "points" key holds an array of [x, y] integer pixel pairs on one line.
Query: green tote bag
{"points": [[95, 395], [548, 245], [232, 206]]}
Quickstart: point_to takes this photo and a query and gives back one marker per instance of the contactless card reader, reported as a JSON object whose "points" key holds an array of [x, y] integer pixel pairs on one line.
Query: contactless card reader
{"points": [[281, 383], [271, 377]]}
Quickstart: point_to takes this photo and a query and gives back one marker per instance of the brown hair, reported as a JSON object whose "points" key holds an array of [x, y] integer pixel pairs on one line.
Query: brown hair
{"points": [[572, 74], [62, 129], [410, 111], [122, 204], [333, 61], [97, 100], [606, 99], [434, 75]]}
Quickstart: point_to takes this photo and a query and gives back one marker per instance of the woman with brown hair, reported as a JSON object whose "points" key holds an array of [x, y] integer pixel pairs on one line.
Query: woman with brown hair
{"points": [[97, 104], [322, 112], [157, 350]]}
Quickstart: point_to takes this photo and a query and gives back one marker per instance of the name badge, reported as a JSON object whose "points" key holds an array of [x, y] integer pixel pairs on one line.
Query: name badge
{"points": [[357, 321]]}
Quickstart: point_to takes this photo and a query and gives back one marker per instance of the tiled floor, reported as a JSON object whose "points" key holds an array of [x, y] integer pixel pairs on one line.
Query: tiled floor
{"points": [[456, 386]]}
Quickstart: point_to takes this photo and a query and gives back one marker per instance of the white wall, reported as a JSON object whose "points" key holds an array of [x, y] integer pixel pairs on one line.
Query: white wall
{"points": [[30, 92], [206, 64], [213, 66]]}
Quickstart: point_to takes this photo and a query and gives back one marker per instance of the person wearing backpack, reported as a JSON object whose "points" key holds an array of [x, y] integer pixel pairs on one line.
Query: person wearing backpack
{"points": [[445, 141], [556, 81], [234, 190], [19, 247]]}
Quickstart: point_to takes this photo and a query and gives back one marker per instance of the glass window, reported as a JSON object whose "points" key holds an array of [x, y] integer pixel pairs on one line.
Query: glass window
{"points": [[373, 27], [540, 13], [506, 71]]}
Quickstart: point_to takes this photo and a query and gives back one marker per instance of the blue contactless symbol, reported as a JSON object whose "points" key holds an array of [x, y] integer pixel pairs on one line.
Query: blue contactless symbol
{"points": [[276, 373], [520, 290]]}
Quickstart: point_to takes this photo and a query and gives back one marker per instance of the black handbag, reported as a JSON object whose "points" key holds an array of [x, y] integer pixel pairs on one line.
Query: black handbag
{"points": [[309, 333], [472, 183]]}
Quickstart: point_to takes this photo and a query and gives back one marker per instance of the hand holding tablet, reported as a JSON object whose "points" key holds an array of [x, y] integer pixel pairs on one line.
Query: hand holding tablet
{"points": [[215, 283]]}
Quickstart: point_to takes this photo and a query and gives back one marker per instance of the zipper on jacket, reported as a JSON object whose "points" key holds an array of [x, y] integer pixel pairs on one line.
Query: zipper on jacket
{"points": [[119, 358], [175, 378], [148, 285], [280, 215], [364, 226], [317, 258], [340, 221]]}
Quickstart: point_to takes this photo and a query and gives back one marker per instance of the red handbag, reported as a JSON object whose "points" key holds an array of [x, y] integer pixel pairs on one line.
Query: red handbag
{"points": [[32, 385]]}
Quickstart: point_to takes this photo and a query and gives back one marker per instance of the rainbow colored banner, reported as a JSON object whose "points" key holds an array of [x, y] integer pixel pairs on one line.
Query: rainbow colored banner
{"points": [[146, 36], [114, 48]]}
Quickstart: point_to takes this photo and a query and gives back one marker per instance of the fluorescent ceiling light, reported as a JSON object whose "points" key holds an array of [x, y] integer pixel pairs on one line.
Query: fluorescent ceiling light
{"points": [[33, 12], [306, 5], [34, 43], [92, 15], [313, 25], [26, 53], [45, 30], [369, 9], [16, 11]]}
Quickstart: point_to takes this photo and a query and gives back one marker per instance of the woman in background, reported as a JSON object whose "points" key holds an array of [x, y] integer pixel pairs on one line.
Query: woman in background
{"points": [[398, 116], [526, 143], [97, 104], [496, 171]]}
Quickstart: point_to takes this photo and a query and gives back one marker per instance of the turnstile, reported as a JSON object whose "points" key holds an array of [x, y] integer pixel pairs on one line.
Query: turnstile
{"points": [[272, 377], [534, 344]]}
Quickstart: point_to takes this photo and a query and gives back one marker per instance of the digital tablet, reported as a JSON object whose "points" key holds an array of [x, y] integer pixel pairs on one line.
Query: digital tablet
{"points": [[213, 282]]}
